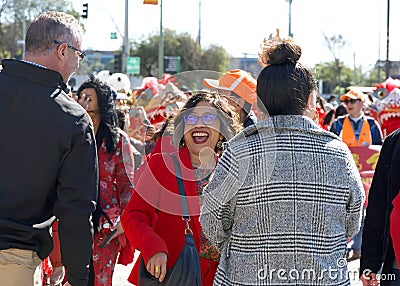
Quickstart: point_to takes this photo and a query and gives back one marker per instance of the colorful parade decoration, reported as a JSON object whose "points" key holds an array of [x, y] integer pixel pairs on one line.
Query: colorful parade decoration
{"points": [[366, 159], [386, 105]]}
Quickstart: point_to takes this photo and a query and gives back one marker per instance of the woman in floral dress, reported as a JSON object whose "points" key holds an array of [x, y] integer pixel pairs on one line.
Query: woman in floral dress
{"points": [[116, 170]]}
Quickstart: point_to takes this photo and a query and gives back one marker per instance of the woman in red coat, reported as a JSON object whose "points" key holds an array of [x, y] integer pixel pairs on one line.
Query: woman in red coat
{"points": [[153, 218]]}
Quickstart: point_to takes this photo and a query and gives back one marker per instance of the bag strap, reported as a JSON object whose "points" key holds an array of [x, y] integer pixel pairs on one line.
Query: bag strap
{"points": [[182, 193]]}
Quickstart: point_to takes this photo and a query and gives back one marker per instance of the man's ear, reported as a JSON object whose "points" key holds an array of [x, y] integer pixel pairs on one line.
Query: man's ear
{"points": [[61, 50]]}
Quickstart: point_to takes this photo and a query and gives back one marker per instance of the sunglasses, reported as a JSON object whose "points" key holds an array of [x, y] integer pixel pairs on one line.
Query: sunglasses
{"points": [[352, 101], [81, 53], [207, 119]]}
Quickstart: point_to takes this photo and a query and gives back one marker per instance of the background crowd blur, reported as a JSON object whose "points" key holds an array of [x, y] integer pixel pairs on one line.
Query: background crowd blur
{"points": [[361, 118]]}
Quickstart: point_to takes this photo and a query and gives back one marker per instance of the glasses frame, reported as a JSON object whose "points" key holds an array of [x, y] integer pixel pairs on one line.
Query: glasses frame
{"points": [[352, 101], [202, 117], [81, 54]]}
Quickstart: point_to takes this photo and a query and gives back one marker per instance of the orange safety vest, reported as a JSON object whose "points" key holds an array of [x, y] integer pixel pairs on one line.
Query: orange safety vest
{"points": [[348, 137]]}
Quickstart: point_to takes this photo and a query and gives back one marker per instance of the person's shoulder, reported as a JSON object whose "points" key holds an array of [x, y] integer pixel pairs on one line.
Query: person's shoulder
{"points": [[69, 114], [371, 120], [393, 137], [341, 118], [244, 135]]}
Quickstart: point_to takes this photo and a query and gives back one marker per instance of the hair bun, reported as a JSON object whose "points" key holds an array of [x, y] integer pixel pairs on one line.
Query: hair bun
{"points": [[281, 51]]}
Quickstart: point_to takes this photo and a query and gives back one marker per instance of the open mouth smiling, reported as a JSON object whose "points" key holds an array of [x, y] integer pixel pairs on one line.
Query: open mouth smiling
{"points": [[200, 137]]}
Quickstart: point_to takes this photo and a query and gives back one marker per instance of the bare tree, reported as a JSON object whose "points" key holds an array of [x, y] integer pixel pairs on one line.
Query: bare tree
{"points": [[336, 44]]}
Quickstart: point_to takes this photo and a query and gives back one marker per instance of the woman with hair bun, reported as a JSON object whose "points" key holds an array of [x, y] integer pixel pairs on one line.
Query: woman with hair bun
{"points": [[286, 196]]}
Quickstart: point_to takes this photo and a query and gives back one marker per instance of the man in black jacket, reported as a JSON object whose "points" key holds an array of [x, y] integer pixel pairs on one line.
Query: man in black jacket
{"points": [[377, 248], [48, 157]]}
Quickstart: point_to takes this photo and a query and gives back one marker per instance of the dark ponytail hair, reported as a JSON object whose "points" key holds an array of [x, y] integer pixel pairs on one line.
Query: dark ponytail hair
{"points": [[284, 85]]}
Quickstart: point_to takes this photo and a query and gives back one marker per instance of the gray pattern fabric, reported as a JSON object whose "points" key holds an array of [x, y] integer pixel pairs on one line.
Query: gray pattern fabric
{"points": [[284, 200]]}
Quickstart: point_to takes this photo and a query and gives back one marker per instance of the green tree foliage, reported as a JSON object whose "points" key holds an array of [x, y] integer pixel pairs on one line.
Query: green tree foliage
{"points": [[336, 77], [192, 56], [215, 58], [327, 73], [15, 17]]}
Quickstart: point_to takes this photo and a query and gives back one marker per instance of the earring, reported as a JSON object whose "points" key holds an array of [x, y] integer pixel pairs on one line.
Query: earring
{"points": [[219, 144]]}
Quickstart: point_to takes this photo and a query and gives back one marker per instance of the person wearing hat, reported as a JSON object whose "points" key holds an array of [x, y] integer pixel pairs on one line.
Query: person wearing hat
{"points": [[239, 88], [356, 130]]}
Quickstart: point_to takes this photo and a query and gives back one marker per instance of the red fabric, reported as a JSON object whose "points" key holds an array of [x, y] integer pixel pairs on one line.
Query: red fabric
{"points": [[55, 255], [208, 269], [116, 173], [47, 269], [321, 115], [395, 226], [163, 145], [153, 218]]}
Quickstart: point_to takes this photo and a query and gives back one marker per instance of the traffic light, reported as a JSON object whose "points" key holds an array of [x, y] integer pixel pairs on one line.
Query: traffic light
{"points": [[85, 11], [153, 2]]}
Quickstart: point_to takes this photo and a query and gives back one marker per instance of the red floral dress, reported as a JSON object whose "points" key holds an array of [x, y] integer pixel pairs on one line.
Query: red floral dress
{"points": [[116, 187]]}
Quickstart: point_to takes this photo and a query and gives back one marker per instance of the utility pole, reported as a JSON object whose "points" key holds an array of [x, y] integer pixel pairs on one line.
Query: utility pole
{"points": [[160, 46], [290, 18], [199, 33], [125, 45], [387, 40]]}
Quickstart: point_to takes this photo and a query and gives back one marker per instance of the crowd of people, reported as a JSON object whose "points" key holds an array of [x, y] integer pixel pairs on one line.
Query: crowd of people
{"points": [[247, 181]]}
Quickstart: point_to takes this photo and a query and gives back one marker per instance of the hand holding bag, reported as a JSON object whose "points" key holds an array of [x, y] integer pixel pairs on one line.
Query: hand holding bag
{"points": [[186, 271]]}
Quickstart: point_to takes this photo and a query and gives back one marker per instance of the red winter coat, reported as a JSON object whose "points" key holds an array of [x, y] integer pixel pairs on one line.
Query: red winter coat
{"points": [[153, 218]]}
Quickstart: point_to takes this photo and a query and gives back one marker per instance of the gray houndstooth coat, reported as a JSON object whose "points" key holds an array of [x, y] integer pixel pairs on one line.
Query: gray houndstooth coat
{"points": [[284, 200]]}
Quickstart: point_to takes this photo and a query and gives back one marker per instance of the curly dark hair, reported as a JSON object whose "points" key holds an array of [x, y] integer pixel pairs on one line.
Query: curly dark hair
{"points": [[229, 118], [109, 120]]}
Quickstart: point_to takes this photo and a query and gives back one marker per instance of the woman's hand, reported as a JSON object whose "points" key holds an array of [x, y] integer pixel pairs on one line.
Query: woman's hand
{"points": [[119, 229], [157, 265], [83, 100], [369, 279]]}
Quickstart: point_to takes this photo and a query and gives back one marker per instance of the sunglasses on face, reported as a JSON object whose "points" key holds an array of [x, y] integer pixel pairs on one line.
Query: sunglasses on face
{"points": [[352, 101], [207, 119], [80, 53]]}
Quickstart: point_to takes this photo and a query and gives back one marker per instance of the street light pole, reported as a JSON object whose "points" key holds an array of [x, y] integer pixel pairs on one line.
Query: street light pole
{"points": [[199, 32], [125, 45], [387, 40], [160, 46], [290, 18]]}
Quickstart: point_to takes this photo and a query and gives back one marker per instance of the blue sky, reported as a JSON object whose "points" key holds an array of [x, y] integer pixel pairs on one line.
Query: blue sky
{"points": [[240, 26]]}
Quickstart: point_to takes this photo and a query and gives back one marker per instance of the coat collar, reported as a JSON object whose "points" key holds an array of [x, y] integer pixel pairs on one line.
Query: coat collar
{"points": [[35, 73], [298, 123]]}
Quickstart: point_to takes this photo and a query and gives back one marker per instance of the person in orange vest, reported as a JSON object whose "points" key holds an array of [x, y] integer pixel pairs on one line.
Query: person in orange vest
{"points": [[356, 130]]}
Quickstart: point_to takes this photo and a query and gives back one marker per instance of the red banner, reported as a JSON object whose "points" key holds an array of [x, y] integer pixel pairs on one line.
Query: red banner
{"points": [[366, 159]]}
